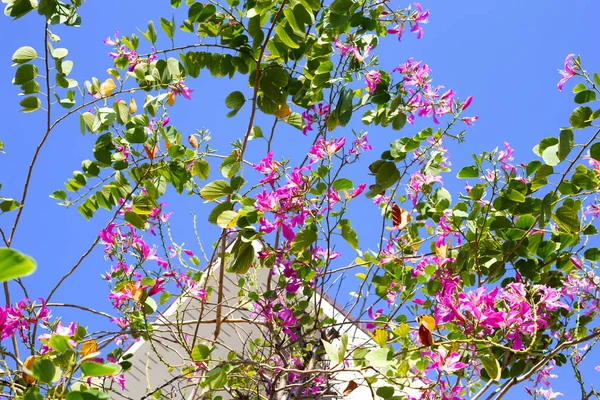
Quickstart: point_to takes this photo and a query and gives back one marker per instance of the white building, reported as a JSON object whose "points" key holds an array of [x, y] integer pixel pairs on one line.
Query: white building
{"points": [[159, 364]]}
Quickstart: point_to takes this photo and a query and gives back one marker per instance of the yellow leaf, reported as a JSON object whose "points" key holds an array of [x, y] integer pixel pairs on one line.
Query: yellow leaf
{"points": [[380, 336], [193, 141], [170, 99], [88, 347], [426, 320], [132, 106], [442, 251], [107, 87], [28, 363], [283, 110]]}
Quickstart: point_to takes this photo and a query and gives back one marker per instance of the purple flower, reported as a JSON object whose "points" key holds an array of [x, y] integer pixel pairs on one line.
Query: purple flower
{"points": [[372, 78], [568, 72]]}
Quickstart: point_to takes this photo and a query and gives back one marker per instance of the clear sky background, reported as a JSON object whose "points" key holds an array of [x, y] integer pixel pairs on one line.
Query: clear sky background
{"points": [[503, 53]]}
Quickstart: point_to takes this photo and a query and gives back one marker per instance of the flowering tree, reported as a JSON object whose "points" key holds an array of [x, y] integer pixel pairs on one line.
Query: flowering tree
{"points": [[464, 295]]}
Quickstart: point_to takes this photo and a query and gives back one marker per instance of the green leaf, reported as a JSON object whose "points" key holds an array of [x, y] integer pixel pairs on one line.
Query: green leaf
{"points": [[59, 195], [379, 358], [30, 104], [227, 219], [550, 155], [566, 142], [200, 352], [43, 370], [387, 175], [235, 100], [24, 54], [167, 27], [135, 220], [14, 264], [580, 117], [97, 369], [216, 378], [60, 53], [143, 205], [469, 171], [202, 169], [385, 392], [219, 208], [343, 184], [592, 254], [136, 134], [303, 240], [25, 73], [491, 366], [215, 189], [285, 38], [257, 132], [230, 166], [200, 13], [59, 343], [595, 151], [566, 219], [514, 195], [91, 394], [585, 97], [349, 234], [243, 259], [332, 352], [398, 121]]}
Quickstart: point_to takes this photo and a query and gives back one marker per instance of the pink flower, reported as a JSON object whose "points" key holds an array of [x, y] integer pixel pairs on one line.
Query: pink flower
{"points": [[181, 89], [358, 190], [343, 48], [267, 166], [112, 42], [568, 72], [470, 120], [467, 103], [372, 78], [420, 17], [360, 144], [397, 30], [358, 56], [447, 363]]}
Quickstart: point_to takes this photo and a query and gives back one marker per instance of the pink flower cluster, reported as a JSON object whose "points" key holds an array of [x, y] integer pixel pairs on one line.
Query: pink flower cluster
{"points": [[414, 19], [20, 317], [512, 309], [312, 115], [424, 99]]}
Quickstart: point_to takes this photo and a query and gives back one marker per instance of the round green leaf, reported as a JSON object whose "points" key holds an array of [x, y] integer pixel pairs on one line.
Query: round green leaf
{"points": [[580, 117], [24, 54], [87, 395], [227, 219], [14, 264], [215, 189], [30, 104], [235, 100], [43, 370], [343, 184], [59, 53], [470, 171], [97, 369], [25, 73], [491, 366], [585, 96]]}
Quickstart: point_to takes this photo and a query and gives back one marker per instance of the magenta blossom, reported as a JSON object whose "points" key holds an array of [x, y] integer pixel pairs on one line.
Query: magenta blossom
{"points": [[372, 78], [568, 72], [181, 89], [343, 48]]}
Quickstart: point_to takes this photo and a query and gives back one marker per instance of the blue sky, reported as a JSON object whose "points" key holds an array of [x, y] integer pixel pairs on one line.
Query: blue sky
{"points": [[504, 53]]}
